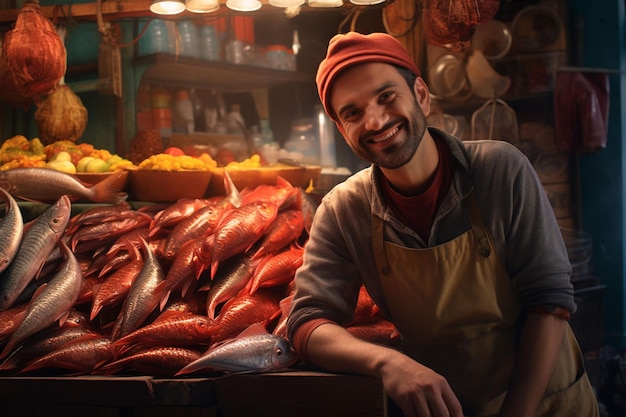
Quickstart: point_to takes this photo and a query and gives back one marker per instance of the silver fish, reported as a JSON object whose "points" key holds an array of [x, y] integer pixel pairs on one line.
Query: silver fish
{"points": [[37, 243], [144, 295], [47, 185], [51, 303], [11, 230], [254, 353]]}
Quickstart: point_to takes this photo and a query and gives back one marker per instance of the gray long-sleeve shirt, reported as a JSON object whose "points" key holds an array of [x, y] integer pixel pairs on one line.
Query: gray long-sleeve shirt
{"points": [[339, 256]]}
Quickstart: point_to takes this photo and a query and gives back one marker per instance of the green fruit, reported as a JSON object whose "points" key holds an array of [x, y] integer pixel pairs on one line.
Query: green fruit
{"points": [[97, 165], [82, 163]]}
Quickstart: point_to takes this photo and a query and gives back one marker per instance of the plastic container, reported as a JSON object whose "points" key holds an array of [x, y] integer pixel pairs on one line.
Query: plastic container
{"points": [[280, 57], [156, 39], [161, 113], [188, 41], [143, 117], [235, 51], [209, 43]]}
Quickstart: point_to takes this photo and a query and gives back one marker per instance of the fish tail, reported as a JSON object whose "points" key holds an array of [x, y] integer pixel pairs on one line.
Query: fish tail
{"points": [[106, 191]]}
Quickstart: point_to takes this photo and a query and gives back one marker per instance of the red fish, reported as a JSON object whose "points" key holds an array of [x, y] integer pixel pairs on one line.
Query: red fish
{"points": [[99, 214], [174, 213], [280, 329], [84, 355], [183, 272], [277, 269], [128, 240], [160, 361], [10, 320], [171, 328], [239, 229], [287, 227], [366, 310], [199, 224], [243, 310], [109, 230], [115, 287], [46, 342], [283, 194]]}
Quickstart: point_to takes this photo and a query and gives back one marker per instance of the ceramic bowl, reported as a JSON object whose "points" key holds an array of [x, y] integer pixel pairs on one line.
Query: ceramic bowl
{"points": [[168, 186]]}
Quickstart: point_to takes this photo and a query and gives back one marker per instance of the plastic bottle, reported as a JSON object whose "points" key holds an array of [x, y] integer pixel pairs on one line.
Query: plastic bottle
{"points": [[184, 110], [188, 45], [255, 135], [267, 135], [326, 129], [234, 120]]}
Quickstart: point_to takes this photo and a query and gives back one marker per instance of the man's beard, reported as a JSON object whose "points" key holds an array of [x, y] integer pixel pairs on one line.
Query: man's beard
{"points": [[398, 154]]}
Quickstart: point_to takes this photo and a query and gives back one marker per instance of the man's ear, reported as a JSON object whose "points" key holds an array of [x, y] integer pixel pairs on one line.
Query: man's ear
{"points": [[422, 95]]}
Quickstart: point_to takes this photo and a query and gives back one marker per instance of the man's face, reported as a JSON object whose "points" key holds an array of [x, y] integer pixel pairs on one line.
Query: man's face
{"points": [[378, 112]]}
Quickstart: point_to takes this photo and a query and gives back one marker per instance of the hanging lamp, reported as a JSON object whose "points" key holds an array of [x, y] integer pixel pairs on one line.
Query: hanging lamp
{"points": [[167, 7]]}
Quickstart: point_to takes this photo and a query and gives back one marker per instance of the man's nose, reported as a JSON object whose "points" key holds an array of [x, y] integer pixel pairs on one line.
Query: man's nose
{"points": [[375, 117]]}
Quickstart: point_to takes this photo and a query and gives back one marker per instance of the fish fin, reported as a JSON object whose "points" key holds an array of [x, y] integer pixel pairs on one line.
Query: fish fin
{"points": [[63, 318], [106, 191], [254, 329], [38, 291]]}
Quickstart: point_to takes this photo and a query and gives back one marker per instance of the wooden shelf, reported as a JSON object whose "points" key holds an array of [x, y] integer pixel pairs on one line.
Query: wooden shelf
{"points": [[165, 69]]}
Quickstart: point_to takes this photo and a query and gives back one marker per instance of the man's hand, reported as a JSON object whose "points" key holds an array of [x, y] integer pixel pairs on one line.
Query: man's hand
{"points": [[418, 390]]}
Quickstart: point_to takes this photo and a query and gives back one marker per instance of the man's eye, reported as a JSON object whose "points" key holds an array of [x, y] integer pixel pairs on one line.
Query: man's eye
{"points": [[350, 114], [386, 96]]}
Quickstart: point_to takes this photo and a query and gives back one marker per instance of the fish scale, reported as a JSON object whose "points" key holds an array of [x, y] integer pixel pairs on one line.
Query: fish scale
{"points": [[11, 230], [37, 243]]}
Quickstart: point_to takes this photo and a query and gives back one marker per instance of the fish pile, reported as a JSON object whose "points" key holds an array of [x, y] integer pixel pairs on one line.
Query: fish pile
{"points": [[200, 286]]}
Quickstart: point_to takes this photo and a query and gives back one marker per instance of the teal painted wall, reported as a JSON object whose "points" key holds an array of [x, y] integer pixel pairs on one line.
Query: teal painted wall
{"points": [[603, 45]]}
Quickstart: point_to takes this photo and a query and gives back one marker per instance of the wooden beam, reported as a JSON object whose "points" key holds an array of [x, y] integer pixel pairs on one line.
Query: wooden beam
{"points": [[118, 8]]}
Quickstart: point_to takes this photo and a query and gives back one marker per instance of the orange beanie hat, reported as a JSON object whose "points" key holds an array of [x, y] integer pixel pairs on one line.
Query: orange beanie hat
{"points": [[346, 50]]}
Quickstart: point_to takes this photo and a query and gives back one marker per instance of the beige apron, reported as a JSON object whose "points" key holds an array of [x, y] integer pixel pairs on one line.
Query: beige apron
{"points": [[458, 314]]}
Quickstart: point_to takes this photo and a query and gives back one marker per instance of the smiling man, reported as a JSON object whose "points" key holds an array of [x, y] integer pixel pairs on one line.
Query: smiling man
{"points": [[455, 241]]}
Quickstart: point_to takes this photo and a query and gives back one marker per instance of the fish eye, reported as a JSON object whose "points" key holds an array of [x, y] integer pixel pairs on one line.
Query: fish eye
{"points": [[279, 352]]}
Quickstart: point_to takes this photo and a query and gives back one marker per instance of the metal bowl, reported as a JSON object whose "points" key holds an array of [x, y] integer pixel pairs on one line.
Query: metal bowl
{"points": [[535, 28], [446, 77], [493, 39]]}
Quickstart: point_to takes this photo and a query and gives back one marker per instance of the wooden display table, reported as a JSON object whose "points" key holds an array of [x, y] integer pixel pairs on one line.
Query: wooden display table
{"points": [[297, 394]]}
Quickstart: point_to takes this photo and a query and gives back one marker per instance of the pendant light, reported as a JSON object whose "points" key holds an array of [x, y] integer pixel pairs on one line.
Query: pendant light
{"points": [[286, 3], [168, 7], [325, 3], [243, 5], [366, 2], [202, 6]]}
